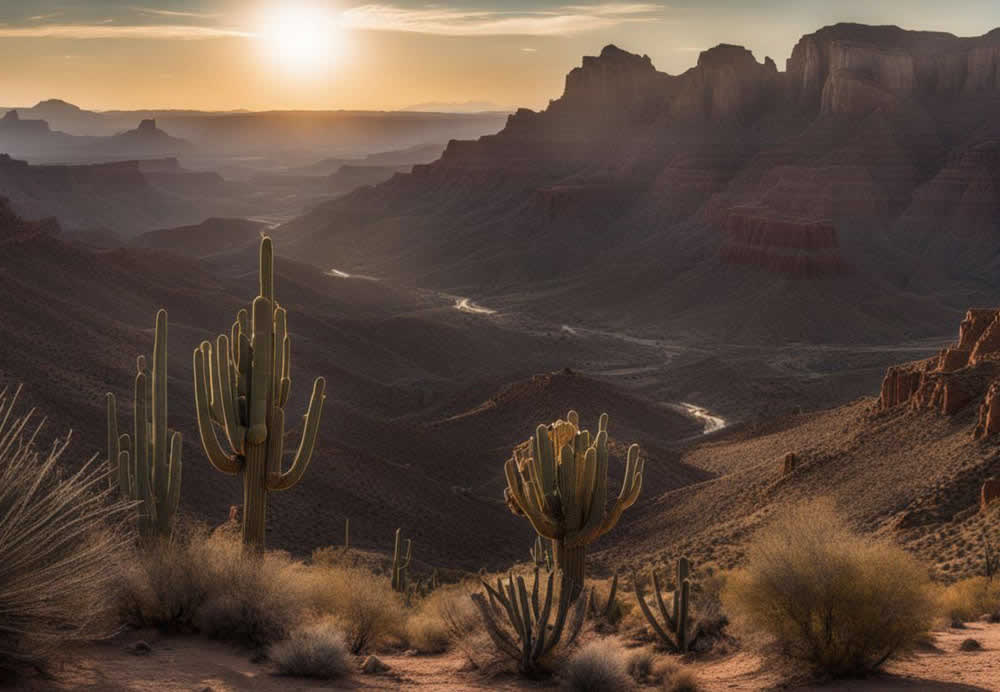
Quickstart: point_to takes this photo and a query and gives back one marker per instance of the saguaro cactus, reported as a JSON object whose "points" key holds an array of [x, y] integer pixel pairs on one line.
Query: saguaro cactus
{"points": [[558, 479], [143, 466], [676, 628], [242, 386], [401, 562]]}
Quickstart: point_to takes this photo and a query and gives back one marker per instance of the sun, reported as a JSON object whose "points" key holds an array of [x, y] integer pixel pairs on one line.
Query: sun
{"points": [[301, 39]]}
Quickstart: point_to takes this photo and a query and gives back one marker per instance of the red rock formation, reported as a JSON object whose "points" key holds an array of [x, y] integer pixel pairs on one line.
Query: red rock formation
{"points": [[959, 375], [989, 413]]}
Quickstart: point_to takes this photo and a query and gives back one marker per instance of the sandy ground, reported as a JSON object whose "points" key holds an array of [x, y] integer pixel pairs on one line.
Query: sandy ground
{"points": [[191, 664]]}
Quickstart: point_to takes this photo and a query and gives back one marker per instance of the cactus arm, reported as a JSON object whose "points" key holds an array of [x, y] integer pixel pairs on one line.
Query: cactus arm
{"points": [[267, 269], [160, 452], [285, 386], [542, 620], [595, 514], [210, 442], [114, 470], [644, 607], [574, 418], [545, 466], [280, 332], [572, 510], [671, 620], [611, 596], [174, 492], [307, 444], [223, 382], [631, 487], [263, 357], [500, 638], [515, 483]]}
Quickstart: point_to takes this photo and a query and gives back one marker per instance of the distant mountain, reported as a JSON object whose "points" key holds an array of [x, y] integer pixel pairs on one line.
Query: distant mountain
{"points": [[464, 107], [145, 140], [853, 197], [207, 238]]}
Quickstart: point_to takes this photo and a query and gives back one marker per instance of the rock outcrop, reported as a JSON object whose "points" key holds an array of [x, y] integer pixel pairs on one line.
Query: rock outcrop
{"points": [[967, 371]]}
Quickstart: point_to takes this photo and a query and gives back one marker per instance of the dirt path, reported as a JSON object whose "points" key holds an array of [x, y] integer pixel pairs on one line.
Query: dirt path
{"points": [[190, 664]]}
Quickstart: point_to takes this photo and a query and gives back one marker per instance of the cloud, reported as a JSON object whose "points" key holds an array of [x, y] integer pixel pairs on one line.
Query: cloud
{"points": [[105, 31], [176, 13], [558, 21]]}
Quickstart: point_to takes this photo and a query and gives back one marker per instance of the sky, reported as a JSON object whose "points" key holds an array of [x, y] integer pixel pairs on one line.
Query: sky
{"points": [[391, 54]]}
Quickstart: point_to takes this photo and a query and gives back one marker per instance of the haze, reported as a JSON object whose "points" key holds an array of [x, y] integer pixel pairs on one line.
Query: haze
{"points": [[389, 54]]}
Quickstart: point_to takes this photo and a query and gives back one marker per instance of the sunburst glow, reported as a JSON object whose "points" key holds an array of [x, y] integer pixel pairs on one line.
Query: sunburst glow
{"points": [[301, 38]]}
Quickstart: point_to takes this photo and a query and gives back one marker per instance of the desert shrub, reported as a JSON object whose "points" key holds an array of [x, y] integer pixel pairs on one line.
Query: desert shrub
{"points": [[428, 630], [596, 667], [838, 601], [680, 679], [640, 664], [969, 599], [314, 651], [202, 581], [60, 542], [366, 608]]}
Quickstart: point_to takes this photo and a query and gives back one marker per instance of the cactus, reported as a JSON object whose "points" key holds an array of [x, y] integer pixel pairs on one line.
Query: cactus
{"points": [[347, 534], [676, 630], [521, 627], [607, 612], [401, 563], [143, 466], [558, 479], [541, 553], [242, 385]]}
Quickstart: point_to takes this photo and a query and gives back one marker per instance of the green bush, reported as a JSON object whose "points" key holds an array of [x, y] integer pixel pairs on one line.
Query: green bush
{"points": [[842, 603]]}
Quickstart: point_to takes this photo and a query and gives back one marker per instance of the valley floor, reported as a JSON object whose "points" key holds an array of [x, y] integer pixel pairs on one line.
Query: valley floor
{"points": [[179, 664]]}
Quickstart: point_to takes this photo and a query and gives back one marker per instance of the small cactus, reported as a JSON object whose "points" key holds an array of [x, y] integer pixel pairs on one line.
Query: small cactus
{"points": [[143, 465], [558, 480], [521, 626], [541, 553], [242, 385], [607, 611], [676, 629], [401, 563]]}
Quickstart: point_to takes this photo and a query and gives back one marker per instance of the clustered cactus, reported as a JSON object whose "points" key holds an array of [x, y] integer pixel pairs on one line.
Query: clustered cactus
{"points": [[522, 627], [242, 386], [144, 465], [676, 628], [558, 479]]}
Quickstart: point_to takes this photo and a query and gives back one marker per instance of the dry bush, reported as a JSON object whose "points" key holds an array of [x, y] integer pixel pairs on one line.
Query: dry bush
{"points": [[598, 666], [641, 665], [838, 601], [969, 599], [202, 581], [429, 629], [60, 542], [680, 679], [314, 651], [366, 607]]}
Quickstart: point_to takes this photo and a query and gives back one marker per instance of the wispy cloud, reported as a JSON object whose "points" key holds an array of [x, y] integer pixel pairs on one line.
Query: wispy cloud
{"points": [[105, 31], [175, 13], [562, 20]]}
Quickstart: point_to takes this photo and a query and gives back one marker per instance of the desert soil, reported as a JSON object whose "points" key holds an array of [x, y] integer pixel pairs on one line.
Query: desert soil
{"points": [[189, 664]]}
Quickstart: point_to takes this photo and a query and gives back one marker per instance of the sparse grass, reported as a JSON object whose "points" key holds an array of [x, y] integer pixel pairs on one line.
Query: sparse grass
{"points": [[598, 666], [678, 678], [60, 542], [641, 665], [970, 599], [428, 628], [315, 651], [837, 601]]}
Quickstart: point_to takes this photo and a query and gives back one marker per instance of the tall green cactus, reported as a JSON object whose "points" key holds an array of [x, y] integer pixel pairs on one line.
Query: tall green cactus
{"points": [[242, 386], [142, 465], [558, 479], [675, 632], [401, 562]]}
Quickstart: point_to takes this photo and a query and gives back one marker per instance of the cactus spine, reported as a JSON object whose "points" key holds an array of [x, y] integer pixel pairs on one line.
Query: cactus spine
{"points": [[676, 628], [401, 563], [558, 479], [242, 386], [145, 467]]}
